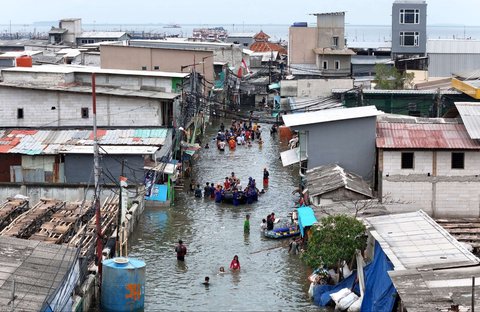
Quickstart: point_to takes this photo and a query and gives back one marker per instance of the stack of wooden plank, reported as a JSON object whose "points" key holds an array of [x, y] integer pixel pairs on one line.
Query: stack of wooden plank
{"points": [[466, 230], [10, 209]]}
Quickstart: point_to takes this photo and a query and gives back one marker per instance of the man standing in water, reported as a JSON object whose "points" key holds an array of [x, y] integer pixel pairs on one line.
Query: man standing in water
{"points": [[181, 250], [266, 175], [246, 224]]}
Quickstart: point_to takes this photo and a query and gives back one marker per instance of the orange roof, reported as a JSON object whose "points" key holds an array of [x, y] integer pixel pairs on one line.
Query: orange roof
{"points": [[261, 36], [267, 47]]}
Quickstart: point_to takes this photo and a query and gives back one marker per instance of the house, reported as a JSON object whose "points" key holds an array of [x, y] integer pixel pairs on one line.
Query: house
{"points": [[429, 164], [69, 32], [242, 39], [320, 51], [409, 34], [262, 44], [58, 96], [345, 136], [332, 183]]}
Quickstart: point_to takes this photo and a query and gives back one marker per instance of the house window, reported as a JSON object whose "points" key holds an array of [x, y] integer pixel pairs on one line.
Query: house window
{"points": [[409, 16], [325, 65], [84, 112], [156, 67], [19, 113], [335, 42], [245, 44], [144, 67], [409, 38], [337, 65], [407, 160], [458, 160]]}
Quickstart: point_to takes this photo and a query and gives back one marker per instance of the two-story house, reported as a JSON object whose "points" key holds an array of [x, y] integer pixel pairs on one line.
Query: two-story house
{"points": [[409, 34]]}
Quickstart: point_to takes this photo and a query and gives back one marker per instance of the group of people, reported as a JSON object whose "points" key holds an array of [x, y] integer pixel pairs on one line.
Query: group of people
{"points": [[239, 133], [268, 223]]}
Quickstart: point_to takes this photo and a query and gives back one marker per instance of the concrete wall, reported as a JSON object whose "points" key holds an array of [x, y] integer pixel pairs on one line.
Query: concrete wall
{"points": [[432, 185], [344, 60], [301, 42], [348, 143], [313, 88], [47, 78], [110, 164], [329, 26], [163, 84], [58, 108], [168, 60], [421, 28]]}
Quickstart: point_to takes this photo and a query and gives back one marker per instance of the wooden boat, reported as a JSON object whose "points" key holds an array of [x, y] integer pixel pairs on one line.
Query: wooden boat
{"points": [[282, 232]]}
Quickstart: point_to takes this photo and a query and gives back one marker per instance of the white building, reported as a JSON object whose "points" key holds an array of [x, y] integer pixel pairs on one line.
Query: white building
{"points": [[428, 164], [57, 96]]}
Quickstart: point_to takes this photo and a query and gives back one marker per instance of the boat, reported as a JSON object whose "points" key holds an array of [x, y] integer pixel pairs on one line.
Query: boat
{"points": [[282, 232], [172, 26], [228, 197]]}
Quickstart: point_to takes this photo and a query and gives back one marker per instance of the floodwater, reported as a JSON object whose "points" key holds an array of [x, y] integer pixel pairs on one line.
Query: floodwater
{"points": [[269, 280]]}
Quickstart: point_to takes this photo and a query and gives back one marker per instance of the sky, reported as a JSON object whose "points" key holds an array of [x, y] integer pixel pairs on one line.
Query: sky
{"points": [[358, 12]]}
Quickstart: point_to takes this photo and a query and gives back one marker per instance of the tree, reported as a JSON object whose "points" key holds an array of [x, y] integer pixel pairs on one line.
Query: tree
{"points": [[334, 240], [389, 78]]}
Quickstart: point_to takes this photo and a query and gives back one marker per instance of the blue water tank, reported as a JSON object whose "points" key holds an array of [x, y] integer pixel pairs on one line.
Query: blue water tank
{"points": [[123, 285], [300, 24]]}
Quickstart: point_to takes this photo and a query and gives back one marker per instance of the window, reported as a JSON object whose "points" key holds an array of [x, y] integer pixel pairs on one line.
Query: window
{"points": [[144, 67], [458, 160], [84, 112], [19, 113], [409, 16], [409, 38], [337, 65], [407, 160], [335, 41], [325, 65], [245, 44], [156, 67]]}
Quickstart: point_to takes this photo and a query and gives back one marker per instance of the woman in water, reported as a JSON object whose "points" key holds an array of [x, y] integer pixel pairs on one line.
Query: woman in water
{"points": [[235, 264]]}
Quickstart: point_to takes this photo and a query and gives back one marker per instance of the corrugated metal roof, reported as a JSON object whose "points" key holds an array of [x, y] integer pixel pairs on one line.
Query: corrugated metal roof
{"points": [[414, 240], [453, 46], [300, 105], [330, 115], [470, 113], [50, 142], [414, 92], [324, 179], [412, 135], [110, 149], [102, 34]]}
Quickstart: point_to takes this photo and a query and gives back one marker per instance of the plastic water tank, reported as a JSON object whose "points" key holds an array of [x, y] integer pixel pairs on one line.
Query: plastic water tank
{"points": [[123, 285], [24, 61]]}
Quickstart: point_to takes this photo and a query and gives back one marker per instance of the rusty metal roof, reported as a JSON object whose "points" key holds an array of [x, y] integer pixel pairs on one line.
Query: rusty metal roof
{"points": [[50, 142], [418, 133]]}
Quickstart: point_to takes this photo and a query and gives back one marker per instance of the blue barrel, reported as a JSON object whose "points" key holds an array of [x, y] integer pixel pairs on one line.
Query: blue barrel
{"points": [[123, 285]]}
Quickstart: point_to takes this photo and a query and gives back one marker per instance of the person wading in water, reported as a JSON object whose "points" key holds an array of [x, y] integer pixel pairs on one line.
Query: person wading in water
{"points": [[181, 251]]}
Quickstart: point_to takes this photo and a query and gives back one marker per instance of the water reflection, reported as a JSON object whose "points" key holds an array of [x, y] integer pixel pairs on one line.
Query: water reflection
{"points": [[269, 279]]}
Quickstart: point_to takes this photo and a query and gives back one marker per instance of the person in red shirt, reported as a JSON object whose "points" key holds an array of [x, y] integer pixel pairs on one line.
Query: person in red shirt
{"points": [[226, 184], [235, 264]]}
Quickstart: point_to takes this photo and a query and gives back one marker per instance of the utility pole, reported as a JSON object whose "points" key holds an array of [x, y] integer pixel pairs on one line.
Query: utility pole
{"points": [[120, 211], [96, 168]]}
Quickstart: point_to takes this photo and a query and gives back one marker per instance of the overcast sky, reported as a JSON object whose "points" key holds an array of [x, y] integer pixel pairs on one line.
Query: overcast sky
{"points": [[359, 12]]}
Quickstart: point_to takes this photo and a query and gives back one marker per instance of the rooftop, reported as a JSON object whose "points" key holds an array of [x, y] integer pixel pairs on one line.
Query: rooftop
{"points": [[102, 34], [470, 114], [66, 69], [38, 269], [261, 46], [329, 115], [330, 51], [51, 142], [241, 35], [405, 132], [324, 179], [453, 46], [331, 13], [399, 92], [415, 241]]}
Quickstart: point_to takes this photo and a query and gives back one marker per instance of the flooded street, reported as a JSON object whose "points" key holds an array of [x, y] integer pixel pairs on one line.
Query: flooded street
{"points": [[270, 279]]}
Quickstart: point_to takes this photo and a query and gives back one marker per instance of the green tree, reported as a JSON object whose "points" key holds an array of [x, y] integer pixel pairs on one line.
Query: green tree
{"points": [[334, 240], [389, 78]]}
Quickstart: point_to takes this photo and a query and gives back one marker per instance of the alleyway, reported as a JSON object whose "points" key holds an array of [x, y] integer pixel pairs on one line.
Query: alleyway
{"points": [[270, 278]]}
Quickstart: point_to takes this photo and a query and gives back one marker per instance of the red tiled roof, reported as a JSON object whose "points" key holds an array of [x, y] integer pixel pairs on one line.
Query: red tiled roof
{"points": [[424, 136], [261, 36], [267, 47]]}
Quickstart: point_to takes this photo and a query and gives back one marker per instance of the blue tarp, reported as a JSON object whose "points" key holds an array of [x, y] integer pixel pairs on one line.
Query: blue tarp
{"points": [[159, 193], [306, 217], [380, 294]]}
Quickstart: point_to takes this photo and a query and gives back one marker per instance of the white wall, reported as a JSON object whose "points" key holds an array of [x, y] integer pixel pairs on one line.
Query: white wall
{"points": [[313, 88], [446, 193], [112, 111]]}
